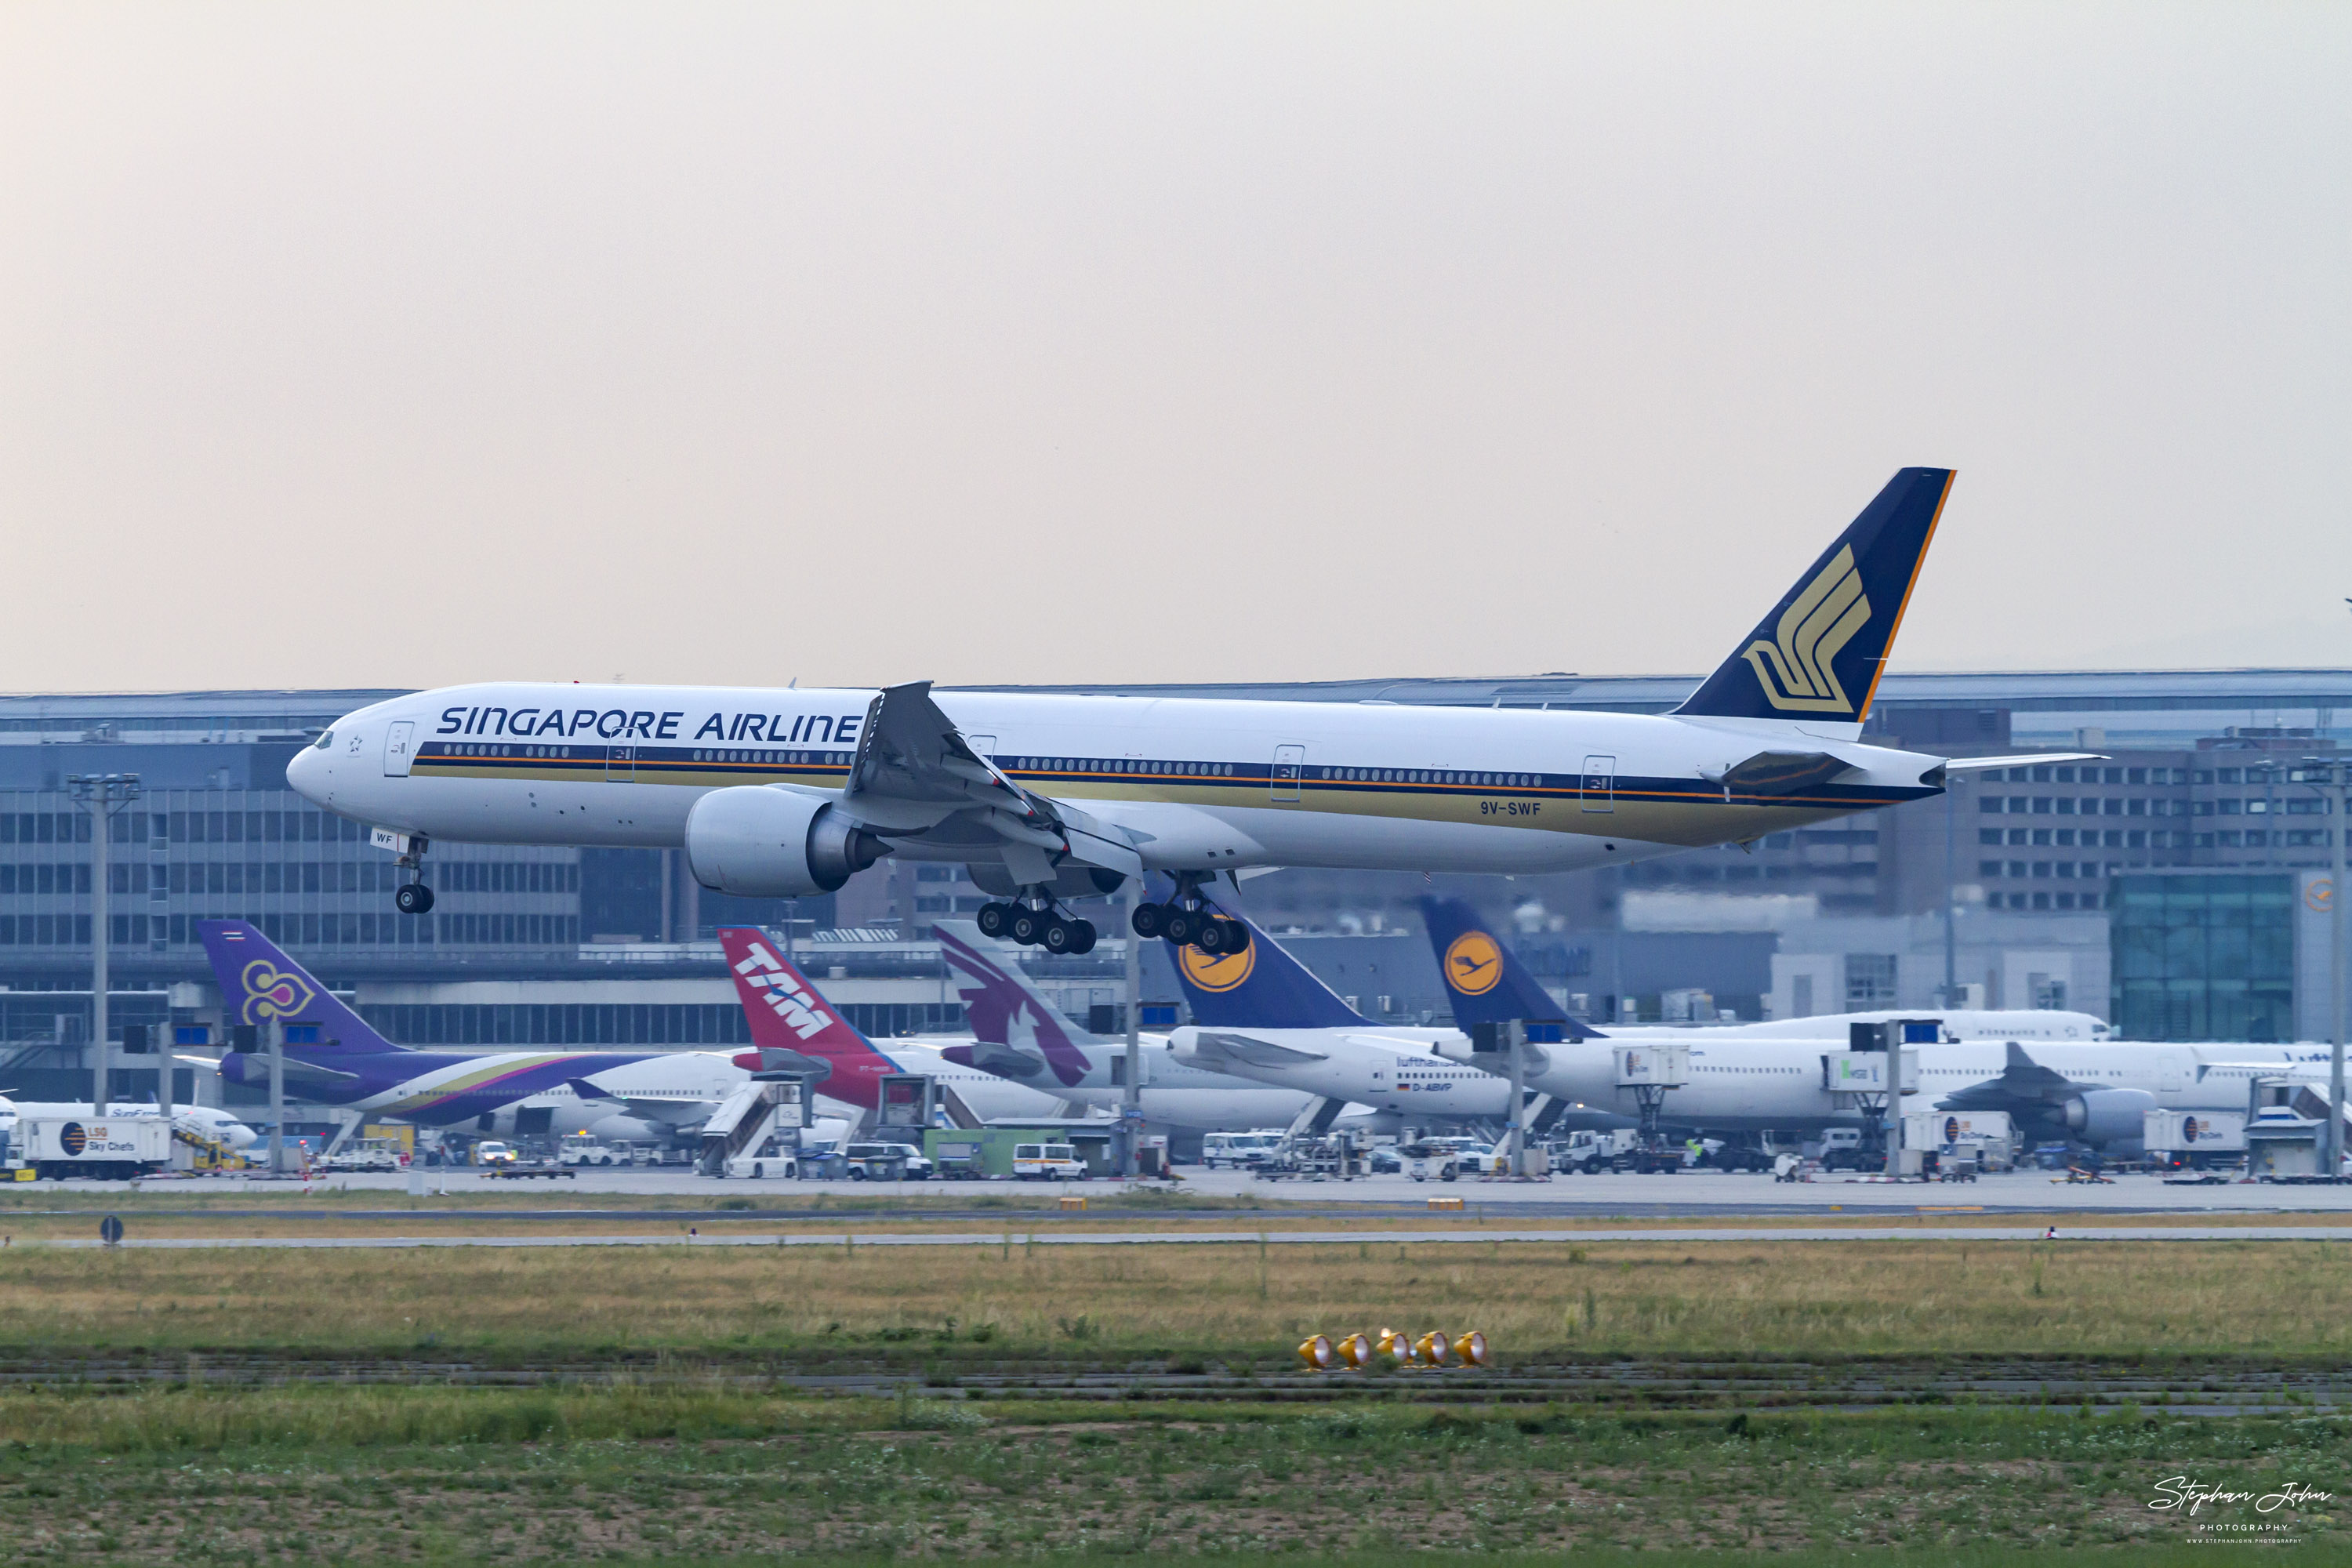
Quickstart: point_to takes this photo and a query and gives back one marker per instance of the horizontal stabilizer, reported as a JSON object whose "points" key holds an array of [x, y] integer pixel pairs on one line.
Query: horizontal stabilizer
{"points": [[1254, 1052], [2027, 759]]}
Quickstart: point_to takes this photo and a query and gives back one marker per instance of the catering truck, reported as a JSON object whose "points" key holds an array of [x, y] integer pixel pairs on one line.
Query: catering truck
{"points": [[116, 1148]]}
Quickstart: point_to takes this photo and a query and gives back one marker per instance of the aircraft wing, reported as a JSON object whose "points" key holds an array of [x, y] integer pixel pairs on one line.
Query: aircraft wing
{"points": [[1253, 1052], [311, 1072], [2023, 1081], [675, 1112], [915, 770]]}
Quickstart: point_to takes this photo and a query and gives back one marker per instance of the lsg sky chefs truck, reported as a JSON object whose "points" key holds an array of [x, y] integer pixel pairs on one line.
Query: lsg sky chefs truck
{"points": [[116, 1148]]}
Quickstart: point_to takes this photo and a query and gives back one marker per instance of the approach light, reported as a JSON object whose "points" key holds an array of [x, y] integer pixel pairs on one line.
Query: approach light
{"points": [[1394, 1348], [1317, 1353], [1433, 1349], [1470, 1350], [1355, 1353]]}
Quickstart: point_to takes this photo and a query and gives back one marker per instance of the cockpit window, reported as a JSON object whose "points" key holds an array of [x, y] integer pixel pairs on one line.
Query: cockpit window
{"points": [[324, 741]]}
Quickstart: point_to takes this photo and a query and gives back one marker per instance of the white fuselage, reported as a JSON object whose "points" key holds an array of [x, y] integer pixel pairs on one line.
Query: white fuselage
{"points": [[1752, 1085], [1386, 1069], [1197, 784], [217, 1125], [1432, 1071], [1175, 1093]]}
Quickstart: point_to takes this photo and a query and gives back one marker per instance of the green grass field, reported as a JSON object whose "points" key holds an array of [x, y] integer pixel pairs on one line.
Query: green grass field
{"points": [[662, 1438], [185, 1476], [2231, 1298]]}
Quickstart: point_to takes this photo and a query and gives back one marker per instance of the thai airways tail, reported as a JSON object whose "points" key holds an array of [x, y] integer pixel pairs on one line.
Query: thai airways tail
{"points": [[1016, 1031], [1485, 979], [1817, 658], [1259, 987], [793, 1028], [260, 983]]}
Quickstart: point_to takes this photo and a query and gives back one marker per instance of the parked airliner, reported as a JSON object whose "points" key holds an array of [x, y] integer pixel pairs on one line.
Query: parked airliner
{"points": [[1019, 1034], [1740, 1079], [1047, 797]]}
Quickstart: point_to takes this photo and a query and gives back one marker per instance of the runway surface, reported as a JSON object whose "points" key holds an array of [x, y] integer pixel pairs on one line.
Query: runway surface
{"points": [[1611, 1197], [1470, 1236]]}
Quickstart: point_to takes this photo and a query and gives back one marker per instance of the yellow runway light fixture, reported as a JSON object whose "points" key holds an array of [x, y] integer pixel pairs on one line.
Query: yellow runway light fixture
{"points": [[1470, 1350], [1355, 1353], [1393, 1348], [1433, 1349], [1317, 1355]]}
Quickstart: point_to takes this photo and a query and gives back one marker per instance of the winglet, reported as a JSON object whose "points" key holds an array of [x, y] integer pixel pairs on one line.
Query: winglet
{"points": [[1819, 655]]}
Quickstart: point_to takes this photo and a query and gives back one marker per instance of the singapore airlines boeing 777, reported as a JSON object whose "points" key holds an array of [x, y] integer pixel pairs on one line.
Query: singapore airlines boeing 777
{"points": [[1047, 797]]}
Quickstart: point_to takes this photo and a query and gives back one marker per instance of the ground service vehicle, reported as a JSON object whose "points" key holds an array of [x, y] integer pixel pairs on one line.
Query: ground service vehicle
{"points": [[116, 1148], [365, 1154], [1047, 1163], [580, 1148], [887, 1163], [1232, 1150], [492, 1153]]}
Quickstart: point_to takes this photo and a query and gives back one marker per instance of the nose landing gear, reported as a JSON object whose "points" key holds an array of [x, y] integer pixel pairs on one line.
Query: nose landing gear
{"points": [[413, 896]]}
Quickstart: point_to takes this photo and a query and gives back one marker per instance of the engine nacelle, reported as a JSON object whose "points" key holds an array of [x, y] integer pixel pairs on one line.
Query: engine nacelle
{"points": [[761, 843], [2108, 1115]]}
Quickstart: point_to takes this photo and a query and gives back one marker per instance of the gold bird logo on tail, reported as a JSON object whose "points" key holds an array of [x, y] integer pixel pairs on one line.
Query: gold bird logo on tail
{"points": [[1794, 671]]}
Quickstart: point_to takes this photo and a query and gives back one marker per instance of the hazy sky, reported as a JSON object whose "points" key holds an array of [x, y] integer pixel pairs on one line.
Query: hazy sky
{"points": [[412, 343]]}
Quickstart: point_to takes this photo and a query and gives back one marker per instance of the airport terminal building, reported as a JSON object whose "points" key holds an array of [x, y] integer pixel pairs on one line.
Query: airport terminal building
{"points": [[535, 945]]}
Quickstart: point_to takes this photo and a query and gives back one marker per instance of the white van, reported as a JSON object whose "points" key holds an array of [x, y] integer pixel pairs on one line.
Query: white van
{"points": [[1230, 1151], [1047, 1163]]}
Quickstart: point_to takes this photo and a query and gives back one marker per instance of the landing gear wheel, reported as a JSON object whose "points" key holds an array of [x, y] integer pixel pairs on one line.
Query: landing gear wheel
{"points": [[1237, 935], [1147, 919], [1180, 925], [1027, 926], [1211, 937], [413, 898], [1057, 936], [1082, 937], [993, 918]]}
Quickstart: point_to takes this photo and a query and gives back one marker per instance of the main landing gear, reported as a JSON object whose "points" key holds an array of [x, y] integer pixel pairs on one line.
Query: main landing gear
{"points": [[1187, 920], [413, 896], [1032, 921]]}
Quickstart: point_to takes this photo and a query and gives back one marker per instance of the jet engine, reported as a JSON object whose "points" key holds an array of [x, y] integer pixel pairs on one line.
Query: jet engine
{"points": [[2107, 1115], [761, 843]]}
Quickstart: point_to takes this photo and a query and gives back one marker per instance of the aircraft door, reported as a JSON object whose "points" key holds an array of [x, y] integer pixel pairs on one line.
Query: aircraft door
{"points": [[1597, 789], [399, 749], [621, 764], [1289, 766]]}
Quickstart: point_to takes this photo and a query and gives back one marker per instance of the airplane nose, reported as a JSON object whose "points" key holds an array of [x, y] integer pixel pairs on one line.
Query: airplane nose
{"points": [[304, 776]]}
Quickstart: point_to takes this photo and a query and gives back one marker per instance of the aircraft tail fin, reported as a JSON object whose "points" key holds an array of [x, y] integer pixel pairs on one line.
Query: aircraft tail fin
{"points": [[1819, 654], [260, 983], [1004, 1006], [1259, 987], [790, 1019], [1485, 979]]}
